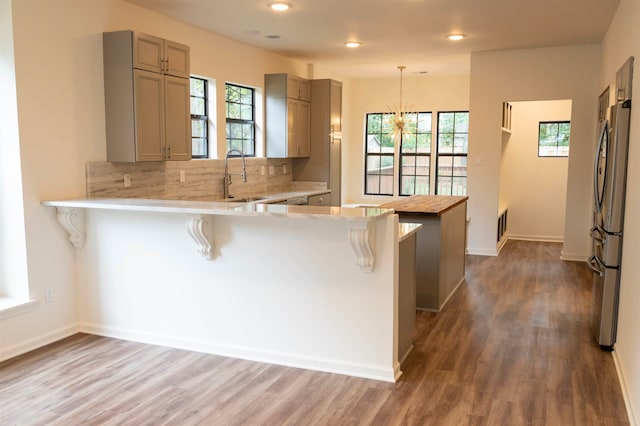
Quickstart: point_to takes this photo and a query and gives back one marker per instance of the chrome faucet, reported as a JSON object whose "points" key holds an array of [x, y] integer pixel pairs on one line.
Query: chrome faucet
{"points": [[227, 176]]}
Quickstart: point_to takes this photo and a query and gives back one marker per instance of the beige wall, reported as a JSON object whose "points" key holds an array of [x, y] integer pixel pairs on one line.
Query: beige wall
{"points": [[527, 75], [623, 40], [534, 188], [379, 95]]}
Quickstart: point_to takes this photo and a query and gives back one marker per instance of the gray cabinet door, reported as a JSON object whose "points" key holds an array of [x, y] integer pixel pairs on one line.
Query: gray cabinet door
{"points": [[292, 119], [148, 52], [176, 58], [303, 132], [304, 90], [149, 115], [177, 117], [298, 128]]}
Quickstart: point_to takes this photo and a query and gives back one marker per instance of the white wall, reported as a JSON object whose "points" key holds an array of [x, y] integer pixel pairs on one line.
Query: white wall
{"points": [[534, 188], [623, 40], [526, 75], [58, 64], [379, 95]]}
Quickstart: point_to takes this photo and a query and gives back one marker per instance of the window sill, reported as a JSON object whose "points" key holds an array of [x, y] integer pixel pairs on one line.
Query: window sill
{"points": [[10, 307]]}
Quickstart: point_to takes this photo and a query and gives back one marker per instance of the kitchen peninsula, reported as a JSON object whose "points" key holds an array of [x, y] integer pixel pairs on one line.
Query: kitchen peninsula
{"points": [[310, 287], [441, 245]]}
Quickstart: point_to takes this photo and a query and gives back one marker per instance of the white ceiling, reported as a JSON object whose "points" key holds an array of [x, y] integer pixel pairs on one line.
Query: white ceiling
{"points": [[396, 32]]}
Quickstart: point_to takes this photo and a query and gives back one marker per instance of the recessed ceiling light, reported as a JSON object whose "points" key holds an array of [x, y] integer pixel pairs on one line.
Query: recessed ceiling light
{"points": [[456, 37], [353, 44], [279, 6]]}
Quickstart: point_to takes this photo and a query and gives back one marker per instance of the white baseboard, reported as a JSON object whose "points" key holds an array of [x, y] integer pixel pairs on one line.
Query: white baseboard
{"points": [[574, 257], [625, 390], [482, 252], [289, 360], [501, 244], [38, 342], [541, 238]]}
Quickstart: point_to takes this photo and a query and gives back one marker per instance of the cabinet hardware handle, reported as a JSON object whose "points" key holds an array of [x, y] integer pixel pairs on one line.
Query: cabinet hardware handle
{"points": [[168, 151]]}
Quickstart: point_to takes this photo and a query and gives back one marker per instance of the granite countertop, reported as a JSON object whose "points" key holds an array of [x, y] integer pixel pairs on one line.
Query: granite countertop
{"points": [[425, 204], [223, 208]]}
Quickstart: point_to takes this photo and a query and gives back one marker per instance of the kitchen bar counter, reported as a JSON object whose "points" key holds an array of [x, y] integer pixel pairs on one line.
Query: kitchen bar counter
{"points": [[303, 286], [199, 213], [440, 245]]}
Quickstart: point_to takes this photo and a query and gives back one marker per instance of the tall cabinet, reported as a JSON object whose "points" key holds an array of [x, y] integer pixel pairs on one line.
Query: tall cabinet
{"points": [[325, 159], [288, 114], [147, 102]]}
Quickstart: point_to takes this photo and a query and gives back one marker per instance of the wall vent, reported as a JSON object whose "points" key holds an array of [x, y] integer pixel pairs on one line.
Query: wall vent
{"points": [[502, 224]]}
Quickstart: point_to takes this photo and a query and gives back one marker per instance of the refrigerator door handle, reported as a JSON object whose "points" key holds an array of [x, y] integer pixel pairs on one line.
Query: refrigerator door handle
{"points": [[596, 190], [604, 232], [597, 234], [596, 265]]}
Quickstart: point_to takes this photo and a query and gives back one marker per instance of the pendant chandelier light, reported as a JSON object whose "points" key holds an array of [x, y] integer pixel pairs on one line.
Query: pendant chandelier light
{"points": [[399, 110]]}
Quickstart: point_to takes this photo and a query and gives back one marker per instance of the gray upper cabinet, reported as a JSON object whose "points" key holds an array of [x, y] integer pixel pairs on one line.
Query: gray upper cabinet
{"points": [[147, 102], [288, 116]]}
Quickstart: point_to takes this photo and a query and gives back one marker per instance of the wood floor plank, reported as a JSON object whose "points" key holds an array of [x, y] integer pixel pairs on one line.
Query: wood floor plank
{"points": [[511, 347]]}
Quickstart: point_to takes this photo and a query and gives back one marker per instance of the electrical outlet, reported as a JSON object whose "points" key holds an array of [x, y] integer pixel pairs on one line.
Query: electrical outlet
{"points": [[183, 176], [48, 295], [272, 170], [284, 169], [262, 170], [127, 180]]}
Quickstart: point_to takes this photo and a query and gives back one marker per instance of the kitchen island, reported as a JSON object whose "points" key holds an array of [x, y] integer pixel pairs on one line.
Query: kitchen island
{"points": [[441, 245], [310, 287]]}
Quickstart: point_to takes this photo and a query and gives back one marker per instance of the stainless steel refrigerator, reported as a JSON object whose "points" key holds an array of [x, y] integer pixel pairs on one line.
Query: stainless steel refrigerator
{"points": [[610, 176]]}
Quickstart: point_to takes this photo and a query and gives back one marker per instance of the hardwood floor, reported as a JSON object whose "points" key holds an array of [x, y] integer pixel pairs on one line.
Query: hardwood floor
{"points": [[512, 347]]}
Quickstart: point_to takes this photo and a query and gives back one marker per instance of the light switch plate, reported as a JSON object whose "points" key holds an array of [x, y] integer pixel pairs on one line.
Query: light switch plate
{"points": [[183, 176], [48, 295], [127, 180]]}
